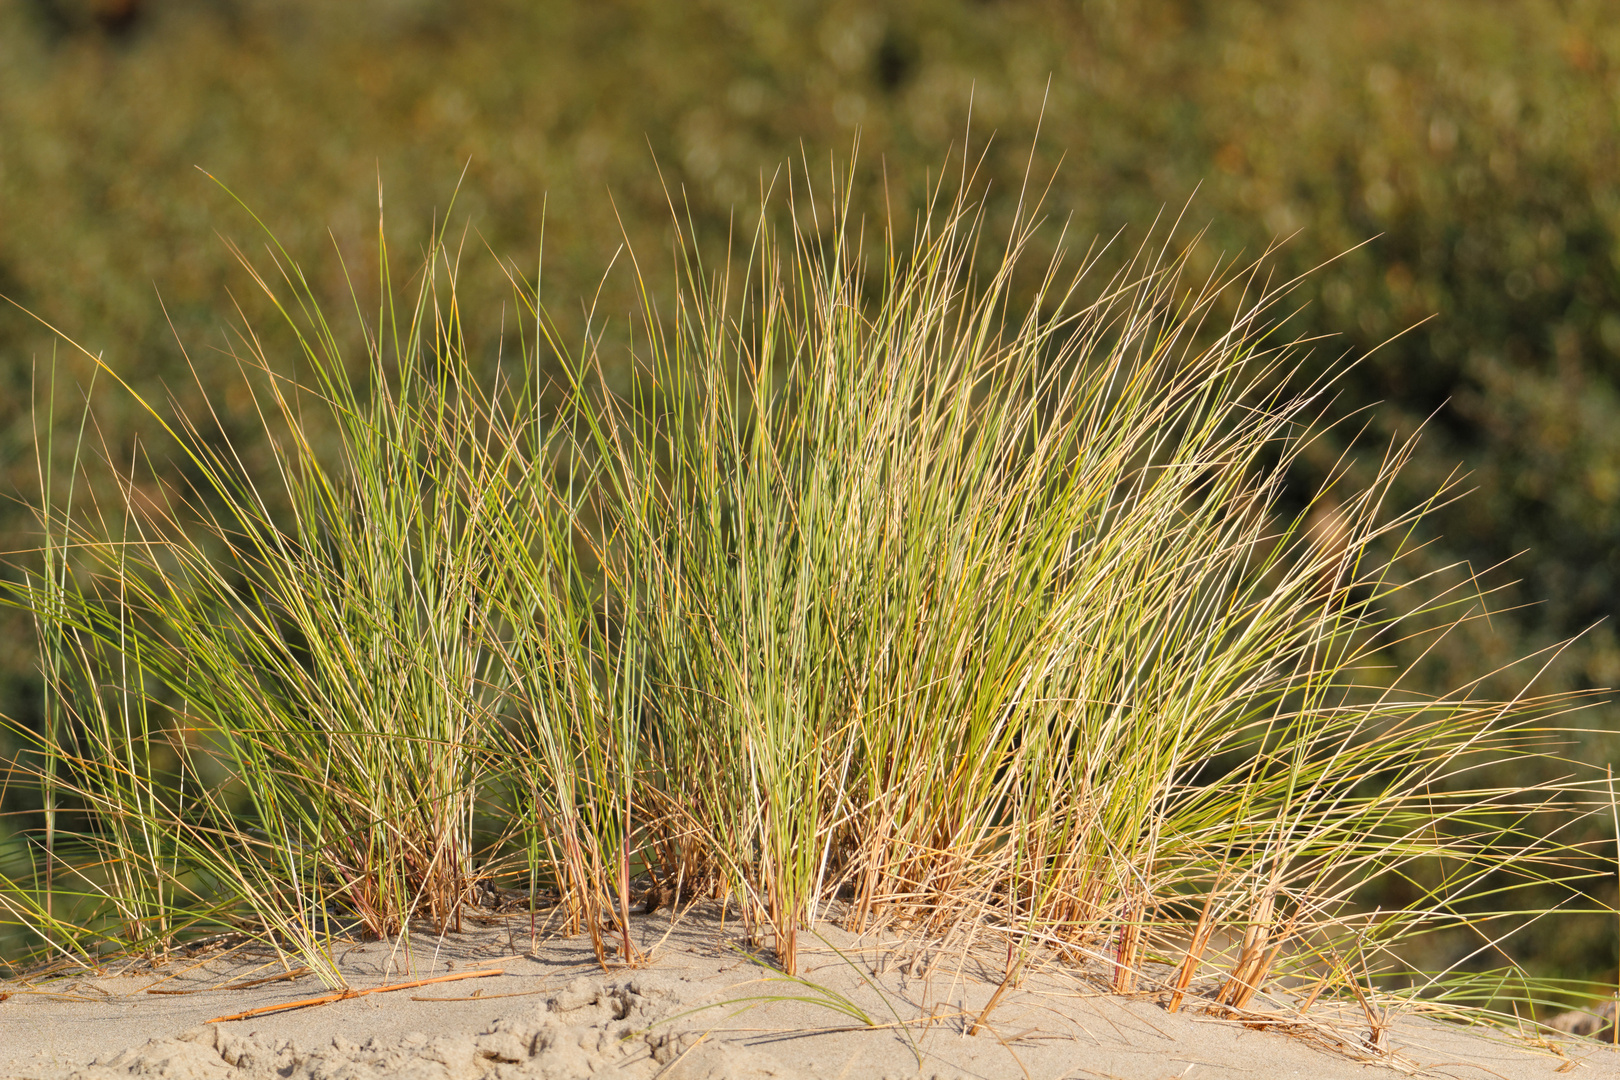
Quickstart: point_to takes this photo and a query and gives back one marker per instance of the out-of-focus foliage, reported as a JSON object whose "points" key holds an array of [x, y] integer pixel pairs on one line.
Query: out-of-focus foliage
{"points": [[1477, 140]]}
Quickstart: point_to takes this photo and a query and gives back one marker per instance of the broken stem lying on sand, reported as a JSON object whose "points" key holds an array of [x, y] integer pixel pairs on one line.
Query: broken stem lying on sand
{"points": [[345, 995]]}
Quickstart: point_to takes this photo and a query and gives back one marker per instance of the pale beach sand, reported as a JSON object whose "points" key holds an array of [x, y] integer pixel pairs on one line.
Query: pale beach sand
{"points": [[553, 1014]]}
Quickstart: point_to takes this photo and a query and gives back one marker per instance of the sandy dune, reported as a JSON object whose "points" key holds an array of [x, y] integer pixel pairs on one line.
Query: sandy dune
{"points": [[699, 1009]]}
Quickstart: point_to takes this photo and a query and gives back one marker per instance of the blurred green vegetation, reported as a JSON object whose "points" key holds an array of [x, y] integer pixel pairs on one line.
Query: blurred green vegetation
{"points": [[1476, 143]]}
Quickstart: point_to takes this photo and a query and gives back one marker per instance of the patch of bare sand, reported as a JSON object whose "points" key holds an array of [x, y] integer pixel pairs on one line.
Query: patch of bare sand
{"points": [[699, 1010]]}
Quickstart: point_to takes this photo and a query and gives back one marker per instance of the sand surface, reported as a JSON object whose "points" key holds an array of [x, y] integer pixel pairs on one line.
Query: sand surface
{"points": [[553, 1014]]}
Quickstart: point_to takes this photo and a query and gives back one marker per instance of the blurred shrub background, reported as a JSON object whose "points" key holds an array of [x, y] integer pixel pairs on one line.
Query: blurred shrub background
{"points": [[1475, 139]]}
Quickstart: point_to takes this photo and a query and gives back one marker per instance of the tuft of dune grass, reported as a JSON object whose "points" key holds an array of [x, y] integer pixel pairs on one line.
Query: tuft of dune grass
{"points": [[892, 588]]}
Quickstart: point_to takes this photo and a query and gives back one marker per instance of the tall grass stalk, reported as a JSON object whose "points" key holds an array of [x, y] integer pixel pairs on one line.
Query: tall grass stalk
{"points": [[899, 583]]}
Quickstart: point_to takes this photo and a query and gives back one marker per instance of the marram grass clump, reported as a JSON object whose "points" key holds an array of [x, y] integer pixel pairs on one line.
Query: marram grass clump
{"points": [[890, 591]]}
